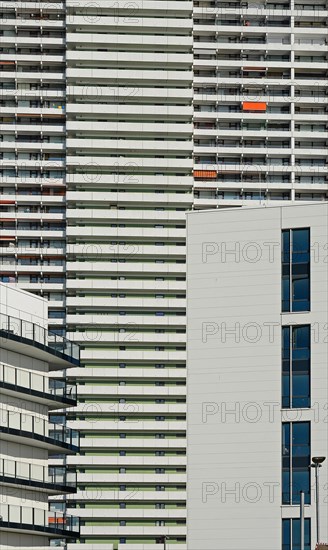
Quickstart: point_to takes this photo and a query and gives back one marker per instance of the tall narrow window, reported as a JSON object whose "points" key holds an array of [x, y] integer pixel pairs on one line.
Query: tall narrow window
{"points": [[296, 270], [291, 534], [296, 453], [296, 361]]}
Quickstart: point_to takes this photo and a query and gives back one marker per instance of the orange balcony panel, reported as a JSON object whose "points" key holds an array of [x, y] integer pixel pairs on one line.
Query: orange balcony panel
{"points": [[57, 521], [254, 106], [205, 174]]}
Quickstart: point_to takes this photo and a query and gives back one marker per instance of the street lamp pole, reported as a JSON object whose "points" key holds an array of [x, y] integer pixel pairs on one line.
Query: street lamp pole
{"points": [[316, 464], [164, 540], [302, 520]]}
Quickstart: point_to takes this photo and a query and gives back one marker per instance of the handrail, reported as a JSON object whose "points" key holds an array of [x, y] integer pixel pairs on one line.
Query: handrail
{"points": [[55, 344], [38, 428], [46, 475], [41, 520], [36, 382]]}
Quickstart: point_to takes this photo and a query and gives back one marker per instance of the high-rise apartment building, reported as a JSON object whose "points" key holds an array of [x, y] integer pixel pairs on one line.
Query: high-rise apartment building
{"points": [[260, 83], [116, 119], [257, 377], [33, 151], [33, 387], [129, 183]]}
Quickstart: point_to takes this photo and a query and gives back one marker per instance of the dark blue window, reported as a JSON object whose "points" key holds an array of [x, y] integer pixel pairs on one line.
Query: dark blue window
{"points": [[296, 270], [296, 361], [296, 453], [291, 531]]}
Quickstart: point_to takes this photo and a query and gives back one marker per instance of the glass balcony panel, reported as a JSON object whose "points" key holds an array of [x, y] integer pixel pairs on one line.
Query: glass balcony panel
{"points": [[37, 382], [37, 472], [7, 374], [14, 420], [57, 475], [27, 516], [23, 378], [13, 325], [7, 468], [27, 330], [23, 470], [39, 516], [27, 424], [4, 512], [39, 334]]}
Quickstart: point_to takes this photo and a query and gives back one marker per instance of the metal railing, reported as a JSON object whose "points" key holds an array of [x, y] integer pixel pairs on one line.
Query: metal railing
{"points": [[36, 383], [28, 473], [38, 428], [12, 327], [23, 517]]}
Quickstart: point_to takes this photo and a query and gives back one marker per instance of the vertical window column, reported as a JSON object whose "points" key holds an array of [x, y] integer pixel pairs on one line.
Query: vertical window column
{"points": [[296, 270], [296, 460], [296, 361], [291, 534]]}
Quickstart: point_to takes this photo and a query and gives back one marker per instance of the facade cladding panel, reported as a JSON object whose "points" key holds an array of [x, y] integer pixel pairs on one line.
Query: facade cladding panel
{"points": [[249, 448], [117, 118]]}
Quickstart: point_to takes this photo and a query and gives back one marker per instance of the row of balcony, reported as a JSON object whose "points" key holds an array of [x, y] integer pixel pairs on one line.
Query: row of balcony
{"points": [[45, 107], [37, 431], [259, 40], [37, 520], [259, 109], [278, 165], [37, 386], [263, 76], [52, 479], [15, 329], [32, 282], [265, 22], [260, 93], [280, 155], [215, 144], [18, 209], [210, 6], [270, 60], [261, 128]]}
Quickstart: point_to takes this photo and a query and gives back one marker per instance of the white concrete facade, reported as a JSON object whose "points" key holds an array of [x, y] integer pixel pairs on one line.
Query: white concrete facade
{"points": [[260, 101], [117, 117], [235, 410], [28, 437]]}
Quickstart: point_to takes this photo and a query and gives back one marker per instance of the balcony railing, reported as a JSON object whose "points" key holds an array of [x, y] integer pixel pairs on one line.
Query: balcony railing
{"points": [[35, 335], [36, 384], [34, 519], [35, 428], [54, 478]]}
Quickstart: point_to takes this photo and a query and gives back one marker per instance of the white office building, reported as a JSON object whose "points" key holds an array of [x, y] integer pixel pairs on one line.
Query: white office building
{"points": [[33, 385], [257, 390], [117, 118]]}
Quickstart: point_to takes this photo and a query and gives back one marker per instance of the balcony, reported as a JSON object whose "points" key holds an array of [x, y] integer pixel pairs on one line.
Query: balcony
{"points": [[36, 341], [49, 391], [38, 521], [36, 431], [51, 480]]}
